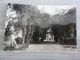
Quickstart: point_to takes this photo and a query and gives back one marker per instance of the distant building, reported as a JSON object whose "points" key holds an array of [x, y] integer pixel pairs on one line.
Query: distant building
{"points": [[49, 35]]}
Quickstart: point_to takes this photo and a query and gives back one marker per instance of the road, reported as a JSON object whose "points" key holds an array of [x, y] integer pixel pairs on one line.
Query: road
{"points": [[42, 52]]}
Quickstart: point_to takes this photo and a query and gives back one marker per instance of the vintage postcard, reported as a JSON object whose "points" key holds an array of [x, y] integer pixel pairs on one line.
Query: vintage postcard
{"points": [[40, 27]]}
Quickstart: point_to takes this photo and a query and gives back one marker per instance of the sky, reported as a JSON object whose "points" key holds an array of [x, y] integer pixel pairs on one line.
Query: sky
{"points": [[54, 9]]}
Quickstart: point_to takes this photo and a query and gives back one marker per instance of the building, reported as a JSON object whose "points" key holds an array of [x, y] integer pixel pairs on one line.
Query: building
{"points": [[49, 35]]}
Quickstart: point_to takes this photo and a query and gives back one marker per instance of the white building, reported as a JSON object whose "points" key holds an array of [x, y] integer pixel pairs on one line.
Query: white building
{"points": [[49, 35]]}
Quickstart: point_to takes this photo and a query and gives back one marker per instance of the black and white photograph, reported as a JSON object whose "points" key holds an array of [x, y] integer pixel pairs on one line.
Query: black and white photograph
{"points": [[39, 27]]}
